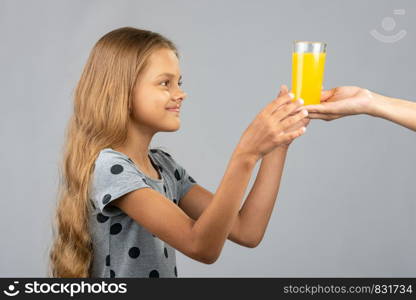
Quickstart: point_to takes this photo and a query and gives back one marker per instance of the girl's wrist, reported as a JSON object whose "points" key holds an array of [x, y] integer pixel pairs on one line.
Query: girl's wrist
{"points": [[278, 149]]}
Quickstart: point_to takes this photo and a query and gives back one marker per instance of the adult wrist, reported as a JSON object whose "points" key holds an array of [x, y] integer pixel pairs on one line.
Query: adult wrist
{"points": [[376, 104]]}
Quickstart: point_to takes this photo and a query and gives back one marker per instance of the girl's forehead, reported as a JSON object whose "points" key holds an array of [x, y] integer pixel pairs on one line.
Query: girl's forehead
{"points": [[162, 61]]}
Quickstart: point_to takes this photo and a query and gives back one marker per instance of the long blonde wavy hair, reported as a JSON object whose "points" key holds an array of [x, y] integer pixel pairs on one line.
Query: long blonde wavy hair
{"points": [[99, 120]]}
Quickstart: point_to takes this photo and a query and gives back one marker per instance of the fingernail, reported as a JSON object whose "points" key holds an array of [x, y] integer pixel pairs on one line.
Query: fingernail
{"points": [[291, 95], [305, 112], [301, 101]]}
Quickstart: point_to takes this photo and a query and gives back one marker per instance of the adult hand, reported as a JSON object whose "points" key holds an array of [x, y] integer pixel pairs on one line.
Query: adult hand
{"points": [[340, 102]]}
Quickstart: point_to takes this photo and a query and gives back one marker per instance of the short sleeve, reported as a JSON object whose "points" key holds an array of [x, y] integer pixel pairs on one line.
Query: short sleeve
{"points": [[185, 180], [113, 177], [186, 183]]}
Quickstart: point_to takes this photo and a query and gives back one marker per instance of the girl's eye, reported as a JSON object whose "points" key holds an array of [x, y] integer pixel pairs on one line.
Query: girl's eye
{"points": [[167, 81]]}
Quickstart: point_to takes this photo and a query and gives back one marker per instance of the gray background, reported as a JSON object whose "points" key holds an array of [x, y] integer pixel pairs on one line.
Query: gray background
{"points": [[346, 206]]}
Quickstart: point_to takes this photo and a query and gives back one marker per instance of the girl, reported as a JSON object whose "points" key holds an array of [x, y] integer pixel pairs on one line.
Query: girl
{"points": [[124, 208]]}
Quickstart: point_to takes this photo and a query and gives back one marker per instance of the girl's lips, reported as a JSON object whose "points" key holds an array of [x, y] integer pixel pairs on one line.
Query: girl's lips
{"points": [[173, 109]]}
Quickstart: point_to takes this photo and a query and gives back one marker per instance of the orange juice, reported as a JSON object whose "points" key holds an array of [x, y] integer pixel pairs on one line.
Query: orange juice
{"points": [[307, 76]]}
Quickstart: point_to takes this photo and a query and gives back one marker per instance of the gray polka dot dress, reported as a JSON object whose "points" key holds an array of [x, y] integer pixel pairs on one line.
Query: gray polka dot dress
{"points": [[122, 247]]}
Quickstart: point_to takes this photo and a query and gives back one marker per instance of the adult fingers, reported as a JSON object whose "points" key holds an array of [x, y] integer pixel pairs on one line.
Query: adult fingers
{"points": [[336, 107], [325, 117], [326, 94]]}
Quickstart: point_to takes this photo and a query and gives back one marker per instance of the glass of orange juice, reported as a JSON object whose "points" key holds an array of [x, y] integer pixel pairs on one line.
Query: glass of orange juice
{"points": [[308, 61]]}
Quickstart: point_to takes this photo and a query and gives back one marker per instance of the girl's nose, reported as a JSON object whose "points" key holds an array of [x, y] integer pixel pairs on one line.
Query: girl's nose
{"points": [[181, 95]]}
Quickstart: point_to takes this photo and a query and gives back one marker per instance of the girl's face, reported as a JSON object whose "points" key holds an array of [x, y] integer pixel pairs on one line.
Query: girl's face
{"points": [[156, 90]]}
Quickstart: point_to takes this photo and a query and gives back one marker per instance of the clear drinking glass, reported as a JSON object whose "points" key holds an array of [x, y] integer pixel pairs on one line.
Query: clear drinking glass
{"points": [[308, 62]]}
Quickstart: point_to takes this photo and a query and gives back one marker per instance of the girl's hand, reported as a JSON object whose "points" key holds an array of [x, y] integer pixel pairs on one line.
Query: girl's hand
{"points": [[273, 126], [340, 102], [302, 123]]}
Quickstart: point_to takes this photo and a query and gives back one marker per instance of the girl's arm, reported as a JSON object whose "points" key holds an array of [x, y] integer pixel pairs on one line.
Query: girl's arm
{"points": [[252, 219], [258, 206], [217, 220], [204, 238]]}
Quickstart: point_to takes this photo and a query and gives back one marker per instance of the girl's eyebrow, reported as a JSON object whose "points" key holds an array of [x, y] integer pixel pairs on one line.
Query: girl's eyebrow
{"points": [[169, 75]]}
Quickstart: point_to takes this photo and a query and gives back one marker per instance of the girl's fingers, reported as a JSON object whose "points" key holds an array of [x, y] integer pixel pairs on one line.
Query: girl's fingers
{"points": [[282, 101], [299, 109], [283, 90], [292, 120], [302, 123], [289, 136], [305, 120], [277, 103], [287, 109]]}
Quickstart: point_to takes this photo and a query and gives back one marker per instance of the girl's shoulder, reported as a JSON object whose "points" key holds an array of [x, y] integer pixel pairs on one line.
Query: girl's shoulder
{"points": [[169, 162], [162, 153], [111, 153], [163, 158], [108, 155]]}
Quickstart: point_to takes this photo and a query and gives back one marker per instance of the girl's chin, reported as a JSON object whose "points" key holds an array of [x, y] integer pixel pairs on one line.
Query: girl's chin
{"points": [[173, 125]]}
